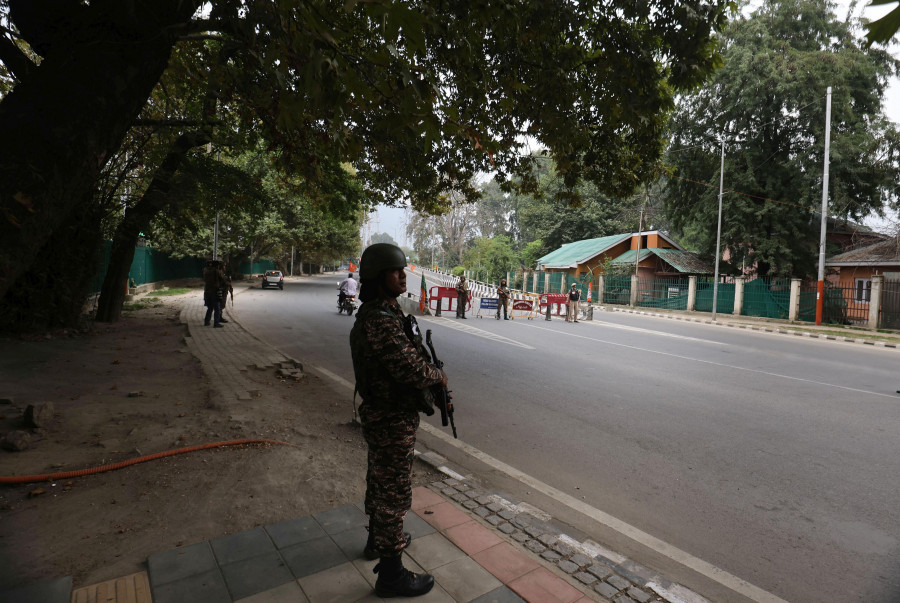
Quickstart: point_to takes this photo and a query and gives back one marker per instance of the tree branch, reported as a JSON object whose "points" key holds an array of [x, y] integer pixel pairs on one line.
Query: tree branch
{"points": [[176, 123], [15, 60]]}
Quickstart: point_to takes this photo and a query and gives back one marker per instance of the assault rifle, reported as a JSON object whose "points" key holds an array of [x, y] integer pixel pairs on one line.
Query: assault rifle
{"points": [[442, 397]]}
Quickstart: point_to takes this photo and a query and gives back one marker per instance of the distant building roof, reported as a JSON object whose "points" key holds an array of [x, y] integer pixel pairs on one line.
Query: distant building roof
{"points": [[883, 253], [686, 262], [579, 252]]}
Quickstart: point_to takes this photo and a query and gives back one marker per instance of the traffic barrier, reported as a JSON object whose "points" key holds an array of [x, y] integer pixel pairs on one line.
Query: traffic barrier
{"points": [[487, 303], [548, 300], [524, 305], [437, 295]]}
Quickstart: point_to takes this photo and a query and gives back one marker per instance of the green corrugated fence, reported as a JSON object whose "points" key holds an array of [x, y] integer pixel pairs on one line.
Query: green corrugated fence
{"points": [[767, 297], [664, 292], [724, 297], [617, 289]]}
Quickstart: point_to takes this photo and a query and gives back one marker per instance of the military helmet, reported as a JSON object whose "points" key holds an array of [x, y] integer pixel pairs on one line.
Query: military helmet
{"points": [[378, 257]]}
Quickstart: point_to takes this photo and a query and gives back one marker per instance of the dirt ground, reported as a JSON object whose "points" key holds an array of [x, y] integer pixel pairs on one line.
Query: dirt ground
{"points": [[100, 527]]}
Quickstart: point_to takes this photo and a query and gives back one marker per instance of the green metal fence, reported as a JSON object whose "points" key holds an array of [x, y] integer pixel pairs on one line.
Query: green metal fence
{"points": [[617, 289], [556, 281], [724, 298], [663, 292], [149, 266], [767, 297]]}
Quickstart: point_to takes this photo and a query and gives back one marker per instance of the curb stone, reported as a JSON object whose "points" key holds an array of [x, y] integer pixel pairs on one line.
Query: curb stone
{"points": [[610, 575], [778, 330]]}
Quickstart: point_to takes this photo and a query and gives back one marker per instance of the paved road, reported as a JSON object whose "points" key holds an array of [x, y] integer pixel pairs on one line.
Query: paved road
{"points": [[774, 458]]}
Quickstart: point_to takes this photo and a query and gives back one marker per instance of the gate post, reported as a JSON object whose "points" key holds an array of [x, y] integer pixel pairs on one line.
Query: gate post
{"points": [[794, 304], [632, 301], [534, 276], [600, 290], [692, 294], [738, 295], [546, 282], [875, 301]]}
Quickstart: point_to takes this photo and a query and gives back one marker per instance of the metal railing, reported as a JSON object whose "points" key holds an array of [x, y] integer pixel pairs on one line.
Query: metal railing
{"points": [[670, 292]]}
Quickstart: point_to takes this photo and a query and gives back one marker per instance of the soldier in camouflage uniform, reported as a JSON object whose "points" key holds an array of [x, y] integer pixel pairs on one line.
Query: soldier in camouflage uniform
{"points": [[394, 377]]}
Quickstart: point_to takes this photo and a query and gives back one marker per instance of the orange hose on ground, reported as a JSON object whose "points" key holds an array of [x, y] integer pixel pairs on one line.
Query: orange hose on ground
{"points": [[24, 479]]}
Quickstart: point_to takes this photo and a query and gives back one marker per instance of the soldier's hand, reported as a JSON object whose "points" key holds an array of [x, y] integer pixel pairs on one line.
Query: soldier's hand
{"points": [[443, 379]]}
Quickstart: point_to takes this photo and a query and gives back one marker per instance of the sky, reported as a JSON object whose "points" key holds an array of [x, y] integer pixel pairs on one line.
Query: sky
{"points": [[393, 220]]}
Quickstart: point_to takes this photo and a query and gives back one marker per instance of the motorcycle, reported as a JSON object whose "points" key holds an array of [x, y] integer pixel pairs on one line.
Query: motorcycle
{"points": [[348, 305]]}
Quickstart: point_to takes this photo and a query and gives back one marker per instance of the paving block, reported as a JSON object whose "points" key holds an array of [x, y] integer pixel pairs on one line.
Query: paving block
{"points": [[606, 590], [180, 563], [416, 526], [601, 571], [433, 551], [343, 518], [352, 542], [619, 582], [520, 537], [341, 583], [57, 590], [242, 545], [286, 593], [208, 587], [580, 560], [585, 578], [464, 579], [542, 585], [506, 528], [313, 556], [638, 595], [567, 566], [506, 562], [499, 595], [256, 575], [294, 531]]}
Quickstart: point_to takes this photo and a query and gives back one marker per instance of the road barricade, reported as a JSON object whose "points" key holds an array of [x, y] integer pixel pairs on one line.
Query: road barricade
{"points": [[554, 299], [437, 297], [524, 305], [487, 305]]}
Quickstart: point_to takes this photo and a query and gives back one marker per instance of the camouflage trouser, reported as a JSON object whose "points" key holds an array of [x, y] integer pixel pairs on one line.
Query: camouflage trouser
{"points": [[391, 436]]}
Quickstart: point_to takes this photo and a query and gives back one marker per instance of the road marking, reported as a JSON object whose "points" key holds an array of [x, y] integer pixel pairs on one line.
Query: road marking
{"points": [[613, 325], [683, 557], [722, 364], [474, 331], [700, 566]]}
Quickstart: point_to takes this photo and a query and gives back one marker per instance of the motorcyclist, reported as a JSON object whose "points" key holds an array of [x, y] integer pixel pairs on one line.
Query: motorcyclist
{"points": [[347, 288]]}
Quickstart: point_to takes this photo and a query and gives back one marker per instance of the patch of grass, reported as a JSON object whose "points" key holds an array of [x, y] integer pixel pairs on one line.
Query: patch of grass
{"points": [[175, 291], [135, 306]]}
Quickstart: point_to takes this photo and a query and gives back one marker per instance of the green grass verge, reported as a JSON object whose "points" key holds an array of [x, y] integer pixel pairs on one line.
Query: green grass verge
{"points": [[176, 291]]}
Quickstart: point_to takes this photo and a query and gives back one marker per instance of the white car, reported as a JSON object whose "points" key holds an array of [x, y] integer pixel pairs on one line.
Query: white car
{"points": [[273, 278]]}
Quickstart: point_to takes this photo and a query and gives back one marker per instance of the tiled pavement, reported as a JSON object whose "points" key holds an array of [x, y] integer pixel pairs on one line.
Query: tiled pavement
{"points": [[319, 558]]}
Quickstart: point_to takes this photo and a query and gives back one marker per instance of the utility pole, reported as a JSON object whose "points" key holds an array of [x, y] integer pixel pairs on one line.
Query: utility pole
{"points": [[820, 286], [637, 256], [216, 233], [719, 230]]}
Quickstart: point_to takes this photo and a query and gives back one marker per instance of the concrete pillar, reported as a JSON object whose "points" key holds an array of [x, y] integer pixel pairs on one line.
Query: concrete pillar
{"points": [[508, 280], [534, 282], [598, 294], [632, 301], [875, 301], [794, 304], [692, 294], [738, 295], [562, 283], [546, 282]]}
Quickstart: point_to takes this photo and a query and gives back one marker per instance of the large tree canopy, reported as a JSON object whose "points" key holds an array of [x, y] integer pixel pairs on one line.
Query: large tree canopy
{"points": [[768, 102], [419, 96]]}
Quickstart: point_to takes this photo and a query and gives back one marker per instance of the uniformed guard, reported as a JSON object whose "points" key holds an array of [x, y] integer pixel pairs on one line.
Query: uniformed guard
{"points": [[462, 297], [502, 299], [394, 377], [213, 281]]}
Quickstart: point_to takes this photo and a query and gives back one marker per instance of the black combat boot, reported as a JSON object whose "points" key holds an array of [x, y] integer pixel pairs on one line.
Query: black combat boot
{"points": [[371, 553], [394, 580]]}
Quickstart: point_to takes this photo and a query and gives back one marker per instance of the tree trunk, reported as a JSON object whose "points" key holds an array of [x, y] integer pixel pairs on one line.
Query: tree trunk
{"points": [[137, 217], [64, 120]]}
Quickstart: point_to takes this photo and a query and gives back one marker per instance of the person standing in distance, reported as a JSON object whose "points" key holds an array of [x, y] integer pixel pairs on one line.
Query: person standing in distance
{"points": [[502, 298], [394, 377], [462, 297], [574, 296], [213, 281]]}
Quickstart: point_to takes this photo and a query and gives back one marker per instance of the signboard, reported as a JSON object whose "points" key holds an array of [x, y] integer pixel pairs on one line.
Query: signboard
{"points": [[523, 304]]}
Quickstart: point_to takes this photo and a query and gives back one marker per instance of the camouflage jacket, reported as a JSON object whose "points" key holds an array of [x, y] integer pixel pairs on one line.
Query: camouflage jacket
{"points": [[462, 287], [213, 279], [392, 371]]}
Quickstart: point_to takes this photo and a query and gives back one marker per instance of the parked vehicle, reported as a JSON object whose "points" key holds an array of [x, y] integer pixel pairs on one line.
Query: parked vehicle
{"points": [[273, 278], [347, 305]]}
